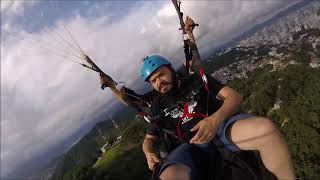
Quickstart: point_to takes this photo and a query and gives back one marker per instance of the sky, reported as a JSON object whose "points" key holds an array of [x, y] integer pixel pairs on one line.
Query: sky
{"points": [[48, 102]]}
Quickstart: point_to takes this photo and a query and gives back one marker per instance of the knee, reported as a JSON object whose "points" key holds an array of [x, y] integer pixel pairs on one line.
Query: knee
{"points": [[265, 126], [175, 172], [253, 133], [268, 133]]}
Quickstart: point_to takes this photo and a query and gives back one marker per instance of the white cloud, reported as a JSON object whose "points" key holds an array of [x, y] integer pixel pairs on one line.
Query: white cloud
{"points": [[46, 101], [10, 11], [14, 7], [167, 11]]}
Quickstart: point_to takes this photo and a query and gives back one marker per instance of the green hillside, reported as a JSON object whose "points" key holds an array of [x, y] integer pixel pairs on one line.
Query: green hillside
{"points": [[80, 157], [297, 91]]}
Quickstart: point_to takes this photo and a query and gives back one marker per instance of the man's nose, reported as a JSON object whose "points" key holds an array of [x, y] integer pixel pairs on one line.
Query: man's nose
{"points": [[158, 82]]}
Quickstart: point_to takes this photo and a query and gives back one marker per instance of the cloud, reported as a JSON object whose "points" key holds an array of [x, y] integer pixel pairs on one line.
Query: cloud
{"points": [[14, 8], [10, 10], [48, 102]]}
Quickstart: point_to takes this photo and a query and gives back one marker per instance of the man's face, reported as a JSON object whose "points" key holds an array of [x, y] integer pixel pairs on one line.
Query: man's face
{"points": [[161, 80]]}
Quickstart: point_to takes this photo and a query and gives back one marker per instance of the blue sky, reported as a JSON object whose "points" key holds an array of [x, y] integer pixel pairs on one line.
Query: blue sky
{"points": [[48, 103], [51, 11]]}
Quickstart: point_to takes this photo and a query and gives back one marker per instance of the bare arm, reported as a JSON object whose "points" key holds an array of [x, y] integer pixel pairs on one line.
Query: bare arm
{"points": [[195, 61], [191, 36], [232, 101], [119, 94], [147, 147], [148, 144], [189, 26], [208, 127]]}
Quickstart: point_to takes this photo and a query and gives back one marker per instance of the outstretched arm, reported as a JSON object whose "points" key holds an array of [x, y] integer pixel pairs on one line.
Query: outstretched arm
{"points": [[195, 61], [189, 26], [118, 93], [127, 96]]}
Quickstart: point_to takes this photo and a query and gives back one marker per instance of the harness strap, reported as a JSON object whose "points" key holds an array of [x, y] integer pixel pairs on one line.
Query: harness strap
{"points": [[204, 79], [191, 115], [187, 114], [179, 130]]}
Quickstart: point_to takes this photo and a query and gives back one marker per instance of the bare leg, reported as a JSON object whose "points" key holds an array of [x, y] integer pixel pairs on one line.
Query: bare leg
{"points": [[175, 172], [261, 134]]}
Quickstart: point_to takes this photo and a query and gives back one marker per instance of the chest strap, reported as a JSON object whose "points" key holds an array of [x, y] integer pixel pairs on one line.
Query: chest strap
{"points": [[204, 79], [188, 115]]}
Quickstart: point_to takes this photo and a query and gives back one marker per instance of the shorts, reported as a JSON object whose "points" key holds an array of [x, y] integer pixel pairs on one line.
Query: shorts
{"points": [[182, 155]]}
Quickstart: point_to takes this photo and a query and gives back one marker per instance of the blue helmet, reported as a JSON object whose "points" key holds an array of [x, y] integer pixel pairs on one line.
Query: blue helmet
{"points": [[151, 64]]}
